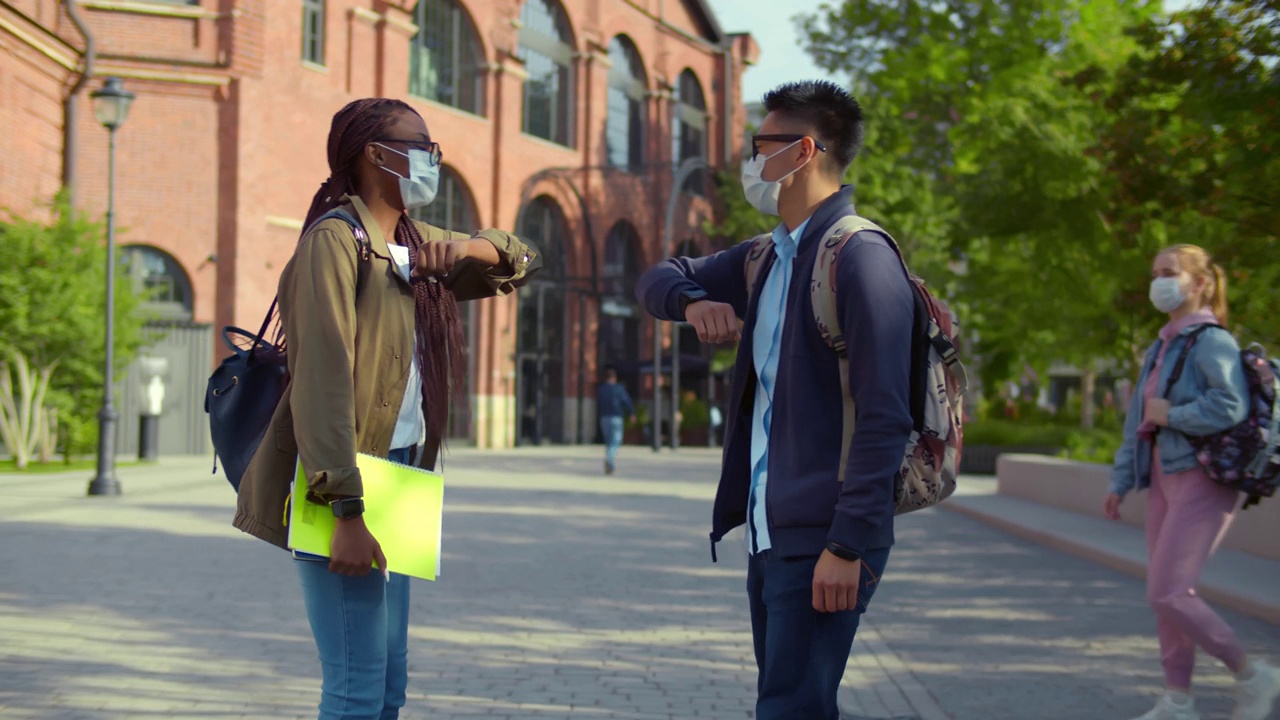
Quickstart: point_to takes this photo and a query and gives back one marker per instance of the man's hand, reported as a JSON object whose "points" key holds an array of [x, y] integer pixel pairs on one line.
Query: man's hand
{"points": [[835, 583], [1157, 412], [715, 322], [354, 549], [1111, 506]]}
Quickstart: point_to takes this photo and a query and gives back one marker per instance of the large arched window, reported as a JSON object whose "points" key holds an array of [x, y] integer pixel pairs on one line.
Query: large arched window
{"points": [[689, 127], [540, 329], [160, 279], [446, 60], [546, 47], [624, 132], [619, 313], [453, 208]]}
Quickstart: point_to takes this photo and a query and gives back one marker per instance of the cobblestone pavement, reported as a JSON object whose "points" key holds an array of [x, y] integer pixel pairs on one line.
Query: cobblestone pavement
{"points": [[564, 594]]}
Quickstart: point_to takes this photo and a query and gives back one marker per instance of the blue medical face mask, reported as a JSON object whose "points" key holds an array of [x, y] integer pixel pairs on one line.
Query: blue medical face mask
{"points": [[1166, 294], [420, 187]]}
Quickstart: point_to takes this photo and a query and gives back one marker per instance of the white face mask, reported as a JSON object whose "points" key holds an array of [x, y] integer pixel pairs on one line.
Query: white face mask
{"points": [[1166, 294], [761, 193], [420, 188]]}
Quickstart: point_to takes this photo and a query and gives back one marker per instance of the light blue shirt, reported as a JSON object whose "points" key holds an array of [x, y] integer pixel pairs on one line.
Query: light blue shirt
{"points": [[766, 343]]}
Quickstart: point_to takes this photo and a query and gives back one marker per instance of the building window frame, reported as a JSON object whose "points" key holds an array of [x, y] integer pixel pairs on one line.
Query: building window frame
{"points": [[625, 108], [546, 47], [689, 120], [314, 16], [446, 29]]}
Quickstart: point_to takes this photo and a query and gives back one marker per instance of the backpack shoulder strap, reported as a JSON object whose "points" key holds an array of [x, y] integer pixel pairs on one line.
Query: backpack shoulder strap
{"points": [[823, 287], [1181, 363], [761, 247], [822, 291]]}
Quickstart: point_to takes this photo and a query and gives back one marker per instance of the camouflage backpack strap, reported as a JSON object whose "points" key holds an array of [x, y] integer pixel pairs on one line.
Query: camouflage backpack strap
{"points": [[822, 291], [761, 248]]}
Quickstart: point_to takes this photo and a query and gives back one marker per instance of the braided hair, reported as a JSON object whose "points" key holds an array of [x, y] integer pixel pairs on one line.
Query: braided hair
{"points": [[437, 327]]}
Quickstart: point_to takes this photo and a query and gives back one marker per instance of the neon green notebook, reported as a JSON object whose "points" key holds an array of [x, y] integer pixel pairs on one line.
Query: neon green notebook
{"points": [[403, 508]]}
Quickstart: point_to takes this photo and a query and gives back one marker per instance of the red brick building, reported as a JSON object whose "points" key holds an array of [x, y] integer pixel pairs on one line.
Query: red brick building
{"points": [[560, 119]]}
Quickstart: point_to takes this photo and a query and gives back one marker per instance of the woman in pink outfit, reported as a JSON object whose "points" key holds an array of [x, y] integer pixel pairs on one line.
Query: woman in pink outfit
{"points": [[1187, 513]]}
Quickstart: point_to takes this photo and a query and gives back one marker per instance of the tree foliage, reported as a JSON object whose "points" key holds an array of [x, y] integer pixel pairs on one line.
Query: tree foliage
{"points": [[52, 310], [1047, 149]]}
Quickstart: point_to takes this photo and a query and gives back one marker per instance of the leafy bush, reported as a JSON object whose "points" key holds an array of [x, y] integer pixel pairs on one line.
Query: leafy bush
{"points": [[1015, 433]]}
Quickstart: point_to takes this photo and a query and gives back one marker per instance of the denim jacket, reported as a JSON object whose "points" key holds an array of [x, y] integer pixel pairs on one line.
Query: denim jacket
{"points": [[1211, 396]]}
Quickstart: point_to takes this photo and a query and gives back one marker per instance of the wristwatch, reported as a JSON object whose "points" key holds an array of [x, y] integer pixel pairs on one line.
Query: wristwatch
{"points": [[690, 297], [347, 508], [843, 552]]}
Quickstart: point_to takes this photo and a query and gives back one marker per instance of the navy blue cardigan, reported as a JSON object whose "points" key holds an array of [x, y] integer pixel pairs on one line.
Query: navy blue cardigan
{"points": [[807, 504]]}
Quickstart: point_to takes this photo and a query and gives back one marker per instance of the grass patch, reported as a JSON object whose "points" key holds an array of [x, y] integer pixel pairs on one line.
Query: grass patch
{"points": [[58, 466]]}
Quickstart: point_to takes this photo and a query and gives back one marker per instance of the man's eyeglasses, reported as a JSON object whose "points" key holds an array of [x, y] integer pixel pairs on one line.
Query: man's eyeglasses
{"points": [[432, 149], [755, 139]]}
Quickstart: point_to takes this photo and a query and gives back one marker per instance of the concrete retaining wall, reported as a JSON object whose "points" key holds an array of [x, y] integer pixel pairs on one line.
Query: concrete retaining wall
{"points": [[1081, 487]]}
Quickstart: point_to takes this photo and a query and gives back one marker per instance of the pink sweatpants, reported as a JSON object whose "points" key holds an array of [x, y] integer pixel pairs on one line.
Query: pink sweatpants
{"points": [[1187, 516]]}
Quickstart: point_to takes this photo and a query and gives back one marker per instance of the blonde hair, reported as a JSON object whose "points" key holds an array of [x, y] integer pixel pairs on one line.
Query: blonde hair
{"points": [[1196, 261]]}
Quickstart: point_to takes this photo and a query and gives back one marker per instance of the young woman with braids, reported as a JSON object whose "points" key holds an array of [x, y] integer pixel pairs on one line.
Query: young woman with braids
{"points": [[375, 351]]}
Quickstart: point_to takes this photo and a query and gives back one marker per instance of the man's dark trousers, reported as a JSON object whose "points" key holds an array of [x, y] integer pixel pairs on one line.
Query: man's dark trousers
{"points": [[801, 653]]}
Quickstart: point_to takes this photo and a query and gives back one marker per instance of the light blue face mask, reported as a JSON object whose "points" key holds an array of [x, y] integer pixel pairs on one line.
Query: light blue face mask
{"points": [[1166, 294], [420, 188]]}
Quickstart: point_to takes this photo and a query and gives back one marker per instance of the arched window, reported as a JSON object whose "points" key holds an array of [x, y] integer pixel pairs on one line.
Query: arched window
{"points": [[619, 313], [446, 60], [546, 47], [689, 127], [453, 208], [160, 279], [624, 132], [540, 329]]}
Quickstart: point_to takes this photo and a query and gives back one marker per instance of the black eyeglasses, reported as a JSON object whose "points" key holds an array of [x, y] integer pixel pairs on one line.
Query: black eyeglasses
{"points": [[433, 151], [755, 148]]}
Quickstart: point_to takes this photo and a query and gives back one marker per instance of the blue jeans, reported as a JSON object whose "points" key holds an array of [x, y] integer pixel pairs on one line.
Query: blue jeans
{"points": [[611, 428], [361, 628], [801, 653]]}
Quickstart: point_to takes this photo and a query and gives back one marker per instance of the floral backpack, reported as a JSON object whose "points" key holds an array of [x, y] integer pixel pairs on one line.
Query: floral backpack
{"points": [[931, 458], [1245, 457]]}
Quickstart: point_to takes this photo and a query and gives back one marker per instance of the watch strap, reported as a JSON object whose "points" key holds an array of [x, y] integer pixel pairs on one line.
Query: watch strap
{"points": [[347, 508], [843, 552]]}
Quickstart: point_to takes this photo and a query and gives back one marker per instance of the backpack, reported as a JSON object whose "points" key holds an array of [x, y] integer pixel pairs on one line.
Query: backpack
{"points": [[1245, 457], [931, 459], [243, 392]]}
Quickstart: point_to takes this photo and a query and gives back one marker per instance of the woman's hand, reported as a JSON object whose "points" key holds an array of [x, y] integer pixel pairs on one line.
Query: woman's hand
{"points": [[1157, 412], [354, 549], [437, 259], [1111, 506]]}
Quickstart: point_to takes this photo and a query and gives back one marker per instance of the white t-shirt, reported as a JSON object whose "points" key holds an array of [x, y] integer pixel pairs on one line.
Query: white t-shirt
{"points": [[411, 428]]}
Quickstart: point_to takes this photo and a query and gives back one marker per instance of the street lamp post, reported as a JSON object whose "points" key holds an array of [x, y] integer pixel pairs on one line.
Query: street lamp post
{"points": [[111, 105]]}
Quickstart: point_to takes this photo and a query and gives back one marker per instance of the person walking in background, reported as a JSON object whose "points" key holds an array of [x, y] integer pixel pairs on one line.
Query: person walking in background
{"points": [[1187, 513], [613, 406], [375, 355], [819, 541]]}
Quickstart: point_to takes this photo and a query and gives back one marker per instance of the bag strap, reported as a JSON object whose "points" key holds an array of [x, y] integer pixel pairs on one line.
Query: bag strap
{"points": [[1181, 363], [363, 249]]}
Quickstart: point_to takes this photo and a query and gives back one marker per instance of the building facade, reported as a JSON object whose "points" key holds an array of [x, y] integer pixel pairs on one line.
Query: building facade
{"points": [[563, 120]]}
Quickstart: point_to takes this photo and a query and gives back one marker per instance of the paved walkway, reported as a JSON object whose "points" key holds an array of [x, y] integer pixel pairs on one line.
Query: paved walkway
{"points": [[564, 594]]}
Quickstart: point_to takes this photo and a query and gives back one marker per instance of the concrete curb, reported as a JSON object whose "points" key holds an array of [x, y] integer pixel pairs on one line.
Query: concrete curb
{"points": [[1233, 579]]}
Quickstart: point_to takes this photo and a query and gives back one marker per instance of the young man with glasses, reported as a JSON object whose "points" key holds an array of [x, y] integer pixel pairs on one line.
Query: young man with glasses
{"points": [[818, 541]]}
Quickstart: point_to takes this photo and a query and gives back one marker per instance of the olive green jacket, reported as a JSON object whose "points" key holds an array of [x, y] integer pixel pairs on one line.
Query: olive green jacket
{"points": [[346, 387]]}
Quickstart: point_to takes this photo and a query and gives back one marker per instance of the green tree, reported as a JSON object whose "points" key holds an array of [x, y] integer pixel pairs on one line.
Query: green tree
{"points": [[52, 309], [987, 137], [1191, 144]]}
